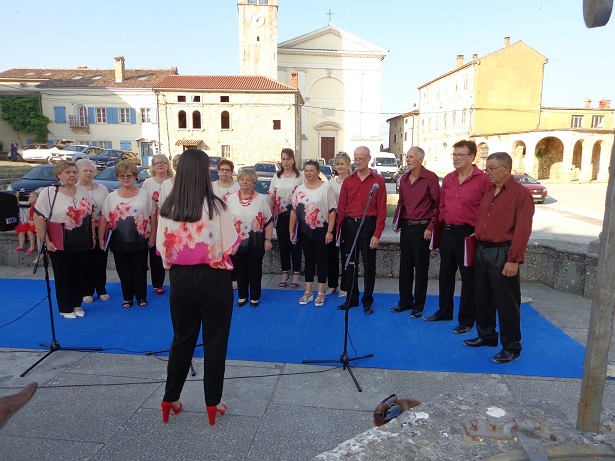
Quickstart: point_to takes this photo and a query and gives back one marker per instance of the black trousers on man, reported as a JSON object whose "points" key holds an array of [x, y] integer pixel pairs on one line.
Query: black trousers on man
{"points": [[497, 293], [200, 296], [368, 255], [451, 259], [413, 266]]}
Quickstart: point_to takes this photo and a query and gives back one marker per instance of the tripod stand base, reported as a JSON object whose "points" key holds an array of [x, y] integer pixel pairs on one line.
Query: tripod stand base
{"points": [[55, 346], [345, 361]]}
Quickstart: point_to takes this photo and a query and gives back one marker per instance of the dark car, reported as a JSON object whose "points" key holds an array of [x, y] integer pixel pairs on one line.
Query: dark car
{"points": [[325, 170], [331, 164], [539, 192], [267, 169], [213, 174], [262, 185], [109, 157], [108, 179], [214, 161], [39, 176]]}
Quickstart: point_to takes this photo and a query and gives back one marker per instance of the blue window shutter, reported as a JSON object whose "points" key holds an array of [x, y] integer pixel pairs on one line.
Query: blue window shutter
{"points": [[125, 145], [94, 143], [112, 115], [133, 115], [91, 116], [60, 114], [109, 145]]}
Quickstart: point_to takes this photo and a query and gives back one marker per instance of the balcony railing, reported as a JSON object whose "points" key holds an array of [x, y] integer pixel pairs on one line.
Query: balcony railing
{"points": [[76, 121]]}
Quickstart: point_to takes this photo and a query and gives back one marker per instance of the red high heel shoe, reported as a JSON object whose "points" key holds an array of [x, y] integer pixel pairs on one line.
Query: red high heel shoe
{"points": [[214, 411], [166, 409]]}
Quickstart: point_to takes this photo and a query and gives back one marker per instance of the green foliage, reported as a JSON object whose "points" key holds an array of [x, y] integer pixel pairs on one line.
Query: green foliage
{"points": [[24, 116]]}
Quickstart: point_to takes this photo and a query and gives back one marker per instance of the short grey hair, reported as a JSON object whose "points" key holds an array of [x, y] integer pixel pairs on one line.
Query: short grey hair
{"points": [[249, 172], [420, 151], [503, 158], [83, 162]]}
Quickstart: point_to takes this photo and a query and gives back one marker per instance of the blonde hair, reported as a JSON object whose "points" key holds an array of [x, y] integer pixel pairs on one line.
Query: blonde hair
{"points": [[158, 157]]}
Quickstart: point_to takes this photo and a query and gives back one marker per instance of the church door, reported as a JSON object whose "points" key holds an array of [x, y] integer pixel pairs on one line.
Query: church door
{"points": [[327, 148]]}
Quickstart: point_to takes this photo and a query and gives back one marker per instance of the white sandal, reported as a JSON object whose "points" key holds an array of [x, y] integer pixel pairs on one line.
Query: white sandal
{"points": [[320, 300], [88, 299], [306, 298]]}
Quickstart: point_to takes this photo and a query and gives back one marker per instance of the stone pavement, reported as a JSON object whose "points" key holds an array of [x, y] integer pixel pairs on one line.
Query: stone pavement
{"points": [[95, 406]]}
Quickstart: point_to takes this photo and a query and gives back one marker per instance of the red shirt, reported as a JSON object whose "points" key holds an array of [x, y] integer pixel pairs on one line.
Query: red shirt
{"points": [[507, 217], [420, 200], [353, 198], [459, 202]]}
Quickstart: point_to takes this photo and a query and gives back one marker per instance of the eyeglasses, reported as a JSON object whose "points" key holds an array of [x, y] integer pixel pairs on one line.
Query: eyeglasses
{"points": [[490, 169], [393, 410], [359, 159], [160, 163], [459, 155], [224, 170], [125, 176]]}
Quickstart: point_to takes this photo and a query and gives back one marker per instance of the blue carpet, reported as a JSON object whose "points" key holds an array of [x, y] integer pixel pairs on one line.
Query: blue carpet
{"points": [[280, 330]]}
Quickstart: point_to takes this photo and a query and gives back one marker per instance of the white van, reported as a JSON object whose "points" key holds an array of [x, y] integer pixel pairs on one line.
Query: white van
{"points": [[385, 164]]}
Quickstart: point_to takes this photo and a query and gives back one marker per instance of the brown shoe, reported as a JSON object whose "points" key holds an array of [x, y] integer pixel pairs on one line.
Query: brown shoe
{"points": [[10, 404]]}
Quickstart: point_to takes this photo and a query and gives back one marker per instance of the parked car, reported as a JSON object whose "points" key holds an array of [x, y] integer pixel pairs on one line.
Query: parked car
{"points": [[262, 185], [267, 169], [331, 164], [39, 176], [400, 171], [539, 192], [74, 152], [214, 161], [108, 178], [37, 153], [109, 157], [213, 174], [325, 171]]}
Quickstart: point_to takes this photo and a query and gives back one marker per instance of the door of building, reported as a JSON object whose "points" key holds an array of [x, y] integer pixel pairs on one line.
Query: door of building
{"points": [[327, 148], [146, 153]]}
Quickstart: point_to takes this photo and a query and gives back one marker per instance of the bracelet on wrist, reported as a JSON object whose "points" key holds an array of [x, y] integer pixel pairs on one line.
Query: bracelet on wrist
{"points": [[267, 240], [329, 231]]}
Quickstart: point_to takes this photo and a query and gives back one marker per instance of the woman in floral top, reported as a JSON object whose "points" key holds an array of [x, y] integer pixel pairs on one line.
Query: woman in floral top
{"points": [[281, 191], [161, 171], [254, 224], [314, 206], [130, 213], [225, 186], [73, 211], [196, 238]]}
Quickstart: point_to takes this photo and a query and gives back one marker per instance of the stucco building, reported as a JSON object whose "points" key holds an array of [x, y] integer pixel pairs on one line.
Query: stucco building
{"points": [[244, 118], [402, 134]]}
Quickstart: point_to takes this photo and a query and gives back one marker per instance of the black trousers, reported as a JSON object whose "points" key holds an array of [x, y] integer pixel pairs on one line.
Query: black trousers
{"points": [[156, 268], [497, 293], [249, 272], [69, 278], [289, 253], [315, 253], [200, 296], [131, 267], [96, 272], [368, 256], [413, 266], [451, 260], [333, 264]]}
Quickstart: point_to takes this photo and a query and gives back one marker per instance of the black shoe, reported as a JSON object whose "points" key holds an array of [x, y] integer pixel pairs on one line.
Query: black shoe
{"points": [[480, 342], [505, 356], [367, 308], [346, 306], [462, 329], [254, 303], [416, 314], [242, 303], [435, 318], [399, 308]]}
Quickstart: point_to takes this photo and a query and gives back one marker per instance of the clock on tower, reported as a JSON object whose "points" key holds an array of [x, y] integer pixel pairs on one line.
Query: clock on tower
{"points": [[258, 37]]}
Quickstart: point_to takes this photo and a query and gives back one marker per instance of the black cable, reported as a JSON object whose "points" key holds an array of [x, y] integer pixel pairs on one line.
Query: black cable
{"points": [[26, 312]]}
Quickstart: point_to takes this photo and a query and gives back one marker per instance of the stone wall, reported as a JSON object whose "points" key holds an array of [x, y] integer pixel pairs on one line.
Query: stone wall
{"points": [[551, 263]]}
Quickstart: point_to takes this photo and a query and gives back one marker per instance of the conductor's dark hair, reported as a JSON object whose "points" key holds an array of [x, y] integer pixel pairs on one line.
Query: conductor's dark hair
{"points": [[291, 153], [191, 190]]}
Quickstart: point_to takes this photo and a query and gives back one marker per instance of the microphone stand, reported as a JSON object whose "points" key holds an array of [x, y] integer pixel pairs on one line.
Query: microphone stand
{"points": [[344, 358], [42, 251]]}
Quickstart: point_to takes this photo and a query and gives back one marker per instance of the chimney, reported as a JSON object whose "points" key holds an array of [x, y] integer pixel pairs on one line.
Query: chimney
{"points": [[604, 104], [588, 103], [82, 67], [459, 60], [506, 41], [294, 79], [174, 70], [119, 69], [474, 57]]}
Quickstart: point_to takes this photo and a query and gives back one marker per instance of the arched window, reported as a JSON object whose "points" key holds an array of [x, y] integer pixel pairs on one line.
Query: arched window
{"points": [[196, 120], [181, 119], [225, 120]]}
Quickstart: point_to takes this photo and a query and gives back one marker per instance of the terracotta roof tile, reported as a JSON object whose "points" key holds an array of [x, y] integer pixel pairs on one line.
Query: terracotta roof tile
{"points": [[223, 83], [89, 78]]}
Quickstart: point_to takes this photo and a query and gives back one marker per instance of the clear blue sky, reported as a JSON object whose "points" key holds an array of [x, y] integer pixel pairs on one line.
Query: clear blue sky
{"points": [[423, 38]]}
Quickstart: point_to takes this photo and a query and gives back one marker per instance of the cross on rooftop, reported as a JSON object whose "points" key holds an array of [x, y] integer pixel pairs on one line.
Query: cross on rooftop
{"points": [[329, 14]]}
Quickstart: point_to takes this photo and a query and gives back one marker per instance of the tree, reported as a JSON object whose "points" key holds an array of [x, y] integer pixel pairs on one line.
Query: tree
{"points": [[24, 116]]}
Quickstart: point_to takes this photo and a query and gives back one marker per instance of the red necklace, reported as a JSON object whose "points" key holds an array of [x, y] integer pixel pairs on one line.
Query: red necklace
{"points": [[246, 201]]}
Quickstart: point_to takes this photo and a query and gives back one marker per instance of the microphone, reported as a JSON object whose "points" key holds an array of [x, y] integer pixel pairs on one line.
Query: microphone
{"points": [[373, 189], [62, 184]]}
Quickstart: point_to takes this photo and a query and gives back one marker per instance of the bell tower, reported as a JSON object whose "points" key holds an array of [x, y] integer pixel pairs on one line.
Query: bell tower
{"points": [[258, 37]]}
